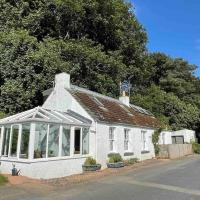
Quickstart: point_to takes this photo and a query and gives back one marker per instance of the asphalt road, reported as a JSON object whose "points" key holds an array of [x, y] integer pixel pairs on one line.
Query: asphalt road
{"points": [[174, 180]]}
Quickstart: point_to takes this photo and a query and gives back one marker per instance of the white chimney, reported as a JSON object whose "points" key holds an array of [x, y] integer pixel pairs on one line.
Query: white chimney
{"points": [[62, 80], [124, 99]]}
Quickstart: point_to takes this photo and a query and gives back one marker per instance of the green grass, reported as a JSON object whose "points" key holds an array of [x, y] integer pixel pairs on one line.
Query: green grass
{"points": [[3, 180]]}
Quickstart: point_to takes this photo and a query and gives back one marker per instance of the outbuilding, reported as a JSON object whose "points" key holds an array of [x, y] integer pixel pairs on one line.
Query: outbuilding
{"points": [[177, 137]]}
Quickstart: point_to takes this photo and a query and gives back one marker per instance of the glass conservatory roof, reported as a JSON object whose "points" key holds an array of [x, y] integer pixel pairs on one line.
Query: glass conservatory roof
{"points": [[45, 115]]}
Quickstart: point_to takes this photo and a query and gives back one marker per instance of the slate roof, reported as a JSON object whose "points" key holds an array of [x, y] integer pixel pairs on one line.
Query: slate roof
{"points": [[110, 110]]}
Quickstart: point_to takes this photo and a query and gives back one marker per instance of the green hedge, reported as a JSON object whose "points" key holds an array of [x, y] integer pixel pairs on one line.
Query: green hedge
{"points": [[196, 147]]}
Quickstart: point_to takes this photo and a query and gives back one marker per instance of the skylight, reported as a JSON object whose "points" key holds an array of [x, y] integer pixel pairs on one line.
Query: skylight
{"points": [[98, 102], [126, 109], [141, 110]]}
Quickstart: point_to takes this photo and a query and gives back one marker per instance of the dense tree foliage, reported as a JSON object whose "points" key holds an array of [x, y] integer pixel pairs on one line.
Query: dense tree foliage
{"points": [[99, 43]]}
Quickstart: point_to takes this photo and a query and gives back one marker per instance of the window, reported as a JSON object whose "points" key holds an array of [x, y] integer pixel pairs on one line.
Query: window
{"points": [[53, 140], [177, 140], [24, 146], [144, 141], [85, 141], [111, 139], [126, 139], [40, 140], [6, 140], [77, 141], [14, 140], [66, 141]]}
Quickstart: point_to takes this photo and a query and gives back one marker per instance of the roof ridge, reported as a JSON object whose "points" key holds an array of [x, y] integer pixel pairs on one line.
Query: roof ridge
{"points": [[105, 97], [95, 93]]}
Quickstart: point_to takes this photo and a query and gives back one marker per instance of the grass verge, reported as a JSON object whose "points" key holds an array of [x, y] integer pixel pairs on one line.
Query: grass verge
{"points": [[3, 180]]}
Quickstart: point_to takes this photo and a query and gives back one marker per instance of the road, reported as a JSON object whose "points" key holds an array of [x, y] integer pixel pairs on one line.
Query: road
{"points": [[175, 180]]}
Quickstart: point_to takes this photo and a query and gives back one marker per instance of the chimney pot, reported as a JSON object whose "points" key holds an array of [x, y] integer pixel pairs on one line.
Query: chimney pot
{"points": [[125, 100], [62, 80]]}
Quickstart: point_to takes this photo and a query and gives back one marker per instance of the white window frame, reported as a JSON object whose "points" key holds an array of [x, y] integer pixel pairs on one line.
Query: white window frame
{"points": [[112, 139], [3, 138], [18, 141], [144, 140], [77, 128], [126, 139]]}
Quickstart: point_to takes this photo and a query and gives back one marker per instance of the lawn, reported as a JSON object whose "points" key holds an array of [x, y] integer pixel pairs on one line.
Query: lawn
{"points": [[3, 180]]}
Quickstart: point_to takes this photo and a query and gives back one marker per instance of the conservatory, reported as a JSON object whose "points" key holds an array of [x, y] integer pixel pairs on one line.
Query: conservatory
{"points": [[44, 143]]}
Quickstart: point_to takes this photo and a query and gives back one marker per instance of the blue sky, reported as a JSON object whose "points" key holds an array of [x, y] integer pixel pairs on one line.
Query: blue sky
{"points": [[173, 27]]}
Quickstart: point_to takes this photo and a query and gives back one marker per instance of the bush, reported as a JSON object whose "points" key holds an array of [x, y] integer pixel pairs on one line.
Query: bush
{"points": [[3, 179], [115, 158], [196, 147], [155, 139], [130, 161], [90, 161]]}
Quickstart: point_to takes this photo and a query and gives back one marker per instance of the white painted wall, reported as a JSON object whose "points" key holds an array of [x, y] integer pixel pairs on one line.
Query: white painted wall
{"points": [[189, 135], [165, 137], [135, 142], [45, 169]]}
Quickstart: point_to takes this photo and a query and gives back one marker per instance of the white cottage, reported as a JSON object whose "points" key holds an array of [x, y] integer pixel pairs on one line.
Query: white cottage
{"points": [[54, 140]]}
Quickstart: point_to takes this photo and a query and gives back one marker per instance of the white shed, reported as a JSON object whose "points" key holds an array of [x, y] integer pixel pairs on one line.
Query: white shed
{"points": [[177, 137]]}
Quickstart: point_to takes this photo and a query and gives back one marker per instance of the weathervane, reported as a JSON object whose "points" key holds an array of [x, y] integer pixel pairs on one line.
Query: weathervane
{"points": [[125, 87]]}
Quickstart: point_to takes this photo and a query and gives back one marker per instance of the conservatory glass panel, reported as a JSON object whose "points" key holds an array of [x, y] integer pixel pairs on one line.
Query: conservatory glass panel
{"points": [[40, 140], [85, 141], [24, 141], [14, 140], [53, 140], [6, 139], [66, 141]]}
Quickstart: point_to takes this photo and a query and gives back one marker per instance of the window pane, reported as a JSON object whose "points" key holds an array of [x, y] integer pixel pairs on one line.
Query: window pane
{"points": [[77, 141], [111, 133], [24, 141], [6, 139], [112, 139], [53, 143], [40, 140], [14, 140], [126, 139], [144, 141], [111, 145], [66, 141], [85, 141]]}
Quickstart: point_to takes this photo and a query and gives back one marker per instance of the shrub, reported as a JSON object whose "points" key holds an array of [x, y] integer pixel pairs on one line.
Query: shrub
{"points": [[115, 158], [155, 139], [130, 161], [196, 147], [90, 161]]}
